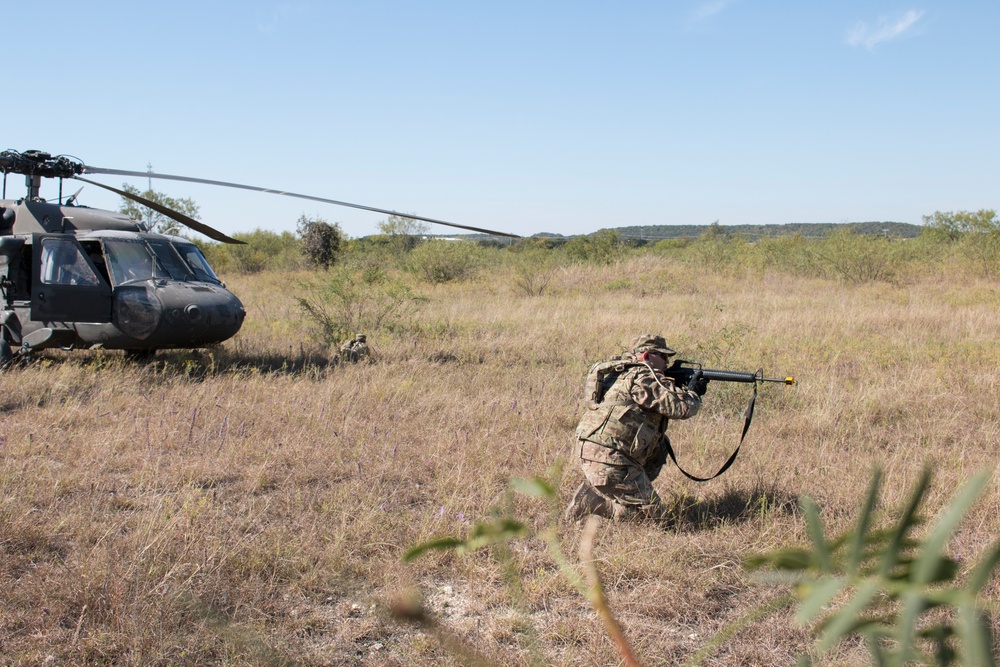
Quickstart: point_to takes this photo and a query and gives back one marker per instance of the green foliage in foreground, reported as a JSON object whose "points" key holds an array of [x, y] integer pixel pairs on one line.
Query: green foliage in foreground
{"points": [[881, 584], [901, 593]]}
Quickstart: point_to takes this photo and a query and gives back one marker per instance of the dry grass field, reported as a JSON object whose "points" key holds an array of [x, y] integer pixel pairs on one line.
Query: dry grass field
{"points": [[250, 504]]}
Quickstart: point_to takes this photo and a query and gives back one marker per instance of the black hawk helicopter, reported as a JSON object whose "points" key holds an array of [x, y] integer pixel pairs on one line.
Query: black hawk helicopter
{"points": [[72, 276]]}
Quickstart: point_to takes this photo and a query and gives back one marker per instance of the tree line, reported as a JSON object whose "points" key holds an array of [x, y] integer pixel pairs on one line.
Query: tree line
{"points": [[855, 252]]}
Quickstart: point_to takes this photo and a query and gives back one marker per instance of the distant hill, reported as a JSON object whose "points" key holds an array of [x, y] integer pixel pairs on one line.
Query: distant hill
{"points": [[652, 233]]}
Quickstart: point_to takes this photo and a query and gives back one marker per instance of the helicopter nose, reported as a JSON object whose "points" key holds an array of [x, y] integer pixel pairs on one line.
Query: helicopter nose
{"points": [[198, 314]]}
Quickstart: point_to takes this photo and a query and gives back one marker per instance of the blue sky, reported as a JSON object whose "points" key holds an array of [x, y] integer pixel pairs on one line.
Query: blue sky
{"points": [[527, 117]]}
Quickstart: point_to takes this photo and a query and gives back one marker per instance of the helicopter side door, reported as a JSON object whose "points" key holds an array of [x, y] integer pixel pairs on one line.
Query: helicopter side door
{"points": [[66, 286]]}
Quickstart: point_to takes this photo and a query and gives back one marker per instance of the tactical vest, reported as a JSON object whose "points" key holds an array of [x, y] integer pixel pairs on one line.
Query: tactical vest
{"points": [[616, 430]]}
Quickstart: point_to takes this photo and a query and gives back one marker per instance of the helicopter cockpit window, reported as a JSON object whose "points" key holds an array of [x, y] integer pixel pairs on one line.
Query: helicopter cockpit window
{"points": [[64, 264], [202, 270], [130, 261], [171, 260]]}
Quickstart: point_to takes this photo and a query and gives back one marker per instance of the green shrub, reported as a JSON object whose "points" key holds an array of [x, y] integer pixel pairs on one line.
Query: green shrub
{"points": [[889, 586], [670, 246], [975, 236], [264, 250], [403, 234], [860, 258], [439, 261], [718, 249], [322, 242], [343, 302], [788, 254], [531, 271], [603, 247]]}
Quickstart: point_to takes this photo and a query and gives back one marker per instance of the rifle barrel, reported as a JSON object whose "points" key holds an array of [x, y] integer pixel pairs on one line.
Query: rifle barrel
{"points": [[728, 376]]}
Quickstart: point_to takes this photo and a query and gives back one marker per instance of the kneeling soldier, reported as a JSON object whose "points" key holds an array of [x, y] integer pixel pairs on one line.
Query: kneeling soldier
{"points": [[621, 439]]}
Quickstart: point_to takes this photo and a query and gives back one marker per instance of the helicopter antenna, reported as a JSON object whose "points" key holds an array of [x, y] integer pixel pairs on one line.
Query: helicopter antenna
{"points": [[71, 200], [149, 188]]}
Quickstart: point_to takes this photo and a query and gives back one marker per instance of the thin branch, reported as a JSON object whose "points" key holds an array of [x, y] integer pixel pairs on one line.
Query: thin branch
{"points": [[596, 592]]}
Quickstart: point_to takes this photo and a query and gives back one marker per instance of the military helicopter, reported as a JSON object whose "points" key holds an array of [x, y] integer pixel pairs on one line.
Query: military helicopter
{"points": [[75, 277]]}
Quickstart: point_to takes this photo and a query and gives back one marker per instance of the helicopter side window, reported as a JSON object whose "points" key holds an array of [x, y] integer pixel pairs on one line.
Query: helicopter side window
{"points": [[171, 261], [64, 264], [131, 261], [96, 254]]}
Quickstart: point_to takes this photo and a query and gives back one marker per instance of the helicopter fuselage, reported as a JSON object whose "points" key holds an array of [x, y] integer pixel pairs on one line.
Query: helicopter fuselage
{"points": [[77, 277]]}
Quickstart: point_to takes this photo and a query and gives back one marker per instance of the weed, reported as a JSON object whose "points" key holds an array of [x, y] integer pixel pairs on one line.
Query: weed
{"points": [[901, 593]]}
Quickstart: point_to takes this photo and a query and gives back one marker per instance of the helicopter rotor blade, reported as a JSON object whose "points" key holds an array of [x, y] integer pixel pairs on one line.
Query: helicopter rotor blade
{"points": [[188, 179], [177, 216]]}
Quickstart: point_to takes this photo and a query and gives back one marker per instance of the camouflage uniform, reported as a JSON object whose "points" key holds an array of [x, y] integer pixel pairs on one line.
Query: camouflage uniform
{"points": [[621, 440], [355, 350]]}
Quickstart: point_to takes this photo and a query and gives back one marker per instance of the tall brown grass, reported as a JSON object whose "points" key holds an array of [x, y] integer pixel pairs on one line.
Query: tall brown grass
{"points": [[250, 504]]}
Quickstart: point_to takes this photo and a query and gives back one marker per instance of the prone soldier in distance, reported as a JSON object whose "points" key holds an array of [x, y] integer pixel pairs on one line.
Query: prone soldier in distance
{"points": [[621, 439], [355, 350]]}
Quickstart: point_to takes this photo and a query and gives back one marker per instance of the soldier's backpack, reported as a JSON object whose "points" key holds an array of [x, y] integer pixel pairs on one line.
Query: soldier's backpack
{"points": [[601, 376]]}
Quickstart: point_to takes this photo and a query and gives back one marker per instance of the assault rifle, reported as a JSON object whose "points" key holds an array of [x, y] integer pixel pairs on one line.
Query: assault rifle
{"points": [[682, 372], [690, 374]]}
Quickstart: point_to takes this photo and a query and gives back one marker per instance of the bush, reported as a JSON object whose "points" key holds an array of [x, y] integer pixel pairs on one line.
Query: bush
{"points": [[670, 246], [974, 236], [603, 247], [538, 243], [860, 258], [790, 254], [532, 270], [322, 242], [718, 249], [443, 261], [344, 302], [264, 250], [403, 234]]}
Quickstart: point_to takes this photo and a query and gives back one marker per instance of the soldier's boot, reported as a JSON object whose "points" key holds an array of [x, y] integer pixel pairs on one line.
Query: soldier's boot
{"points": [[652, 513], [587, 501]]}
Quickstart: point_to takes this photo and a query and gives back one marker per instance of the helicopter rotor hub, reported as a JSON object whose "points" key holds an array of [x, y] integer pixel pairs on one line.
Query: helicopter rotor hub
{"points": [[39, 164]]}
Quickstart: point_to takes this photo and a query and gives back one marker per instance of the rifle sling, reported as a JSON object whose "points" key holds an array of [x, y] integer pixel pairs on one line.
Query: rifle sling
{"points": [[747, 418]]}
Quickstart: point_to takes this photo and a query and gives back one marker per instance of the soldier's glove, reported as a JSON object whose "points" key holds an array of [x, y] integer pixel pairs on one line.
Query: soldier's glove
{"points": [[698, 384]]}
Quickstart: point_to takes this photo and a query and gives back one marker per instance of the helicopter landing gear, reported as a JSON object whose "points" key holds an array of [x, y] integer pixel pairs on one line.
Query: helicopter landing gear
{"points": [[6, 353]]}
